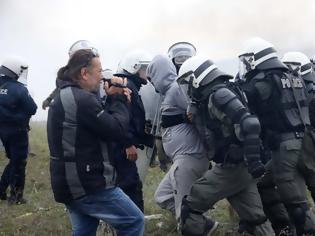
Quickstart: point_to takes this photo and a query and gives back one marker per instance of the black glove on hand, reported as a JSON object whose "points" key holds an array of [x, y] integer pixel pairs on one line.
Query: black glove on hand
{"points": [[256, 169], [252, 157]]}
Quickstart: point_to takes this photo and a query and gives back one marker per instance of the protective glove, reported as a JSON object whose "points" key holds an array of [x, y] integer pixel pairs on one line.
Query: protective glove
{"points": [[256, 169]]}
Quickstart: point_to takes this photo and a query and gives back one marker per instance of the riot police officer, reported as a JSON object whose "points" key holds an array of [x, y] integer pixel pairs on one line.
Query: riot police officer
{"points": [[16, 109], [133, 67], [179, 52], [300, 65], [234, 134], [280, 102]]}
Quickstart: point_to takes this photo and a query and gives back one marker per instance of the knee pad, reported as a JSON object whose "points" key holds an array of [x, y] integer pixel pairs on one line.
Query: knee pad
{"points": [[185, 210], [297, 213], [184, 214]]}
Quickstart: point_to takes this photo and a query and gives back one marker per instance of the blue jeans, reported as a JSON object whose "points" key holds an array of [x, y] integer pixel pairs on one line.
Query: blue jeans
{"points": [[110, 205]]}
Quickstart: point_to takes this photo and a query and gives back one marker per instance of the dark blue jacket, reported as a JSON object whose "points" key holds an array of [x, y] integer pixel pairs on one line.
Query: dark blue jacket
{"points": [[16, 104], [136, 135], [127, 170]]}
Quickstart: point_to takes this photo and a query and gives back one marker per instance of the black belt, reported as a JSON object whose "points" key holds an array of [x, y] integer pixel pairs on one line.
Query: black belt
{"points": [[172, 120], [291, 135]]}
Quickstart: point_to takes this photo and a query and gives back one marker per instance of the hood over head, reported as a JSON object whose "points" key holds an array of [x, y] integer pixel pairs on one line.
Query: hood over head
{"points": [[162, 73]]}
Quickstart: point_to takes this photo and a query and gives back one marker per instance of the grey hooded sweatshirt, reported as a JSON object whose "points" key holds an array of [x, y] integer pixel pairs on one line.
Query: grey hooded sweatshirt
{"points": [[180, 140]]}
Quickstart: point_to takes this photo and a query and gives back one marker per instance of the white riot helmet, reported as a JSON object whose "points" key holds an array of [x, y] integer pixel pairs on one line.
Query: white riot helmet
{"points": [[133, 62], [107, 75], [298, 62], [197, 72], [258, 54], [82, 44], [180, 52], [13, 68]]}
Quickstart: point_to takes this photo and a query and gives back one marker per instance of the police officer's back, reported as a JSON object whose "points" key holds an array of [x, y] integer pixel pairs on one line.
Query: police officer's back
{"points": [[281, 104], [16, 109]]}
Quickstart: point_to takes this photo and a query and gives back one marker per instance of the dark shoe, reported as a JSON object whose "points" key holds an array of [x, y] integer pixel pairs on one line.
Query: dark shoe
{"points": [[3, 196], [16, 200], [287, 231], [211, 227]]}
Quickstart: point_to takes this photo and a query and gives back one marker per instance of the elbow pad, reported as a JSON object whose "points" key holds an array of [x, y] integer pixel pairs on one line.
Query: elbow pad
{"points": [[226, 101], [250, 125]]}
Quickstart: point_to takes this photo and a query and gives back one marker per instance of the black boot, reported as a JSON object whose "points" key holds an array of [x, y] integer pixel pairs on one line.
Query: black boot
{"points": [[3, 193], [3, 196], [16, 196], [286, 231]]}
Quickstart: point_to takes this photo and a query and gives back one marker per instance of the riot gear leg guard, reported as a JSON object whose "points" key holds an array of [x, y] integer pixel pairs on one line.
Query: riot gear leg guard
{"points": [[297, 213], [194, 223]]}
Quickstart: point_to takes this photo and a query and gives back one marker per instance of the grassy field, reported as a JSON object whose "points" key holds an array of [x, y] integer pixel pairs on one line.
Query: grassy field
{"points": [[43, 216]]}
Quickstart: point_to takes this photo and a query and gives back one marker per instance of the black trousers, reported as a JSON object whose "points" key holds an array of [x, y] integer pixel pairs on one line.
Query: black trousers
{"points": [[135, 194], [15, 142]]}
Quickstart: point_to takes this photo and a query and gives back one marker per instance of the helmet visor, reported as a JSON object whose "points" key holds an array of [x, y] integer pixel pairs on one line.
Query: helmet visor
{"points": [[82, 44], [180, 49], [185, 92], [246, 62], [23, 77]]}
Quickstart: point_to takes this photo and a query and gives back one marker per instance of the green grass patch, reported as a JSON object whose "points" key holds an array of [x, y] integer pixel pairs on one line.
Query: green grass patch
{"points": [[43, 216]]}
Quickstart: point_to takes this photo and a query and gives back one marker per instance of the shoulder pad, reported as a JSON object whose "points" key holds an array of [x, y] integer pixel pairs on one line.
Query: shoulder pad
{"points": [[264, 89], [222, 96], [260, 76]]}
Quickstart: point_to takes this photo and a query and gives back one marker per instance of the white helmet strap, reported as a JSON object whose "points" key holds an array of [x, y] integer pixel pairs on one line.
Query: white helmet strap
{"points": [[252, 60], [265, 58], [264, 55]]}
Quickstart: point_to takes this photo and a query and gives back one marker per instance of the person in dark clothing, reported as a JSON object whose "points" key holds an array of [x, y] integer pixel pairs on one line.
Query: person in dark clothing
{"points": [[301, 66], [279, 99], [79, 131], [16, 109], [133, 67], [222, 119], [273, 206]]}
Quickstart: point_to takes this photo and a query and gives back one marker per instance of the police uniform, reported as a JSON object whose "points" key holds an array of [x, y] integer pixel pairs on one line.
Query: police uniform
{"points": [[236, 132], [236, 143], [272, 203], [273, 95], [16, 108]]}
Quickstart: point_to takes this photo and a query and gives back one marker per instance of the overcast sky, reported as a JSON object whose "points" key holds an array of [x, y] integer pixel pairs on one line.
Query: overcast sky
{"points": [[41, 31]]}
